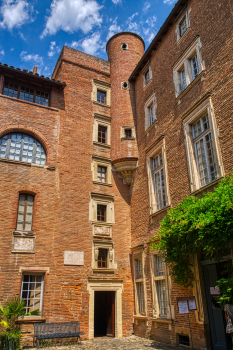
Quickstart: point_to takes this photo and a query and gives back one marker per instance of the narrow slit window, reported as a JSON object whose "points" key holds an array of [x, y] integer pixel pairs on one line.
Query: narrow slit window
{"points": [[101, 96], [25, 212], [102, 134], [159, 182], [102, 258], [102, 171], [183, 26], [101, 212], [183, 80], [194, 67]]}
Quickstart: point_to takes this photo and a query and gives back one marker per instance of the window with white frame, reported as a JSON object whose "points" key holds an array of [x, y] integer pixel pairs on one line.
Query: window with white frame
{"points": [[188, 67], [202, 146], [101, 130], [103, 255], [160, 287], [157, 177], [139, 286], [183, 24], [204, 153], [159, 181], [101, 92], [32, 291], [147, 75], [101, 170], [150, 111]]}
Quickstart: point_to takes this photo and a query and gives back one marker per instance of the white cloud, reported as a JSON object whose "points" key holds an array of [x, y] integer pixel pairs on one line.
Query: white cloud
{"points": [[146, 6], [15, 13], [33, 59], [92, 44], [53, 49], [2, 52], [132, 17], [113, 29], [72, 15], [12, 49], [169, 2], [116, 1], [151, 21]]}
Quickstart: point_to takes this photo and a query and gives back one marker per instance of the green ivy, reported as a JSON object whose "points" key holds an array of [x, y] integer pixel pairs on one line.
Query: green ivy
{"points": [[204, 223]]}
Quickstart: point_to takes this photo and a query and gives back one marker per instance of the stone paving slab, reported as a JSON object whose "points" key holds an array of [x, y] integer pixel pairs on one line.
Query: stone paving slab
{"points": [[129, 343]]}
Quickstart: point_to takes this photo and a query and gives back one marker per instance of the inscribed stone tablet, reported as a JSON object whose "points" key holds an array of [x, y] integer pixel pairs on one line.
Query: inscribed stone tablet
{"points": [[23, 244], [73, 258]]}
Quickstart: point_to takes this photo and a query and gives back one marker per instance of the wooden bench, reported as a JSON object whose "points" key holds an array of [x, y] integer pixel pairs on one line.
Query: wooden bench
{"points": [[57, 330]]}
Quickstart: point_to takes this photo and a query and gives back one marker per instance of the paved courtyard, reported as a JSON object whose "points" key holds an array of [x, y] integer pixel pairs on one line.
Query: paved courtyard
{"points": [[128, 343]]}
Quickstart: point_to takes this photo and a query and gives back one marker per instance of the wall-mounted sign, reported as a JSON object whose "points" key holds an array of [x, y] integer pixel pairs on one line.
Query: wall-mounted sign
{"points": [[192, 304], [73, 258], [214, 290], [183, 307]]}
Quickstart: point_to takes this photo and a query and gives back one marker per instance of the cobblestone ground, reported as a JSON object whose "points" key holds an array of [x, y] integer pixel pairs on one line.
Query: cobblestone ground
{"points": [[128, 343]]}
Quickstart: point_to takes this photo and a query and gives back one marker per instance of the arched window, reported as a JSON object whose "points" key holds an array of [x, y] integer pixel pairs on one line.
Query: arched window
{"points": [[23, 147]]}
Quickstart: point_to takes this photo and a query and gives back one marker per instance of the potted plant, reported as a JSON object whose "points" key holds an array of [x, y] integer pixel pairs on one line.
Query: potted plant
{"points": [[10, 338]]}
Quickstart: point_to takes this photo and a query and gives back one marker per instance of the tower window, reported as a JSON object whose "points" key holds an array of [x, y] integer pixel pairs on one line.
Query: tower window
{"points": [[101, 96], [102, 258], [101, 212], [102, 134], [128, 133], [124, 46]]}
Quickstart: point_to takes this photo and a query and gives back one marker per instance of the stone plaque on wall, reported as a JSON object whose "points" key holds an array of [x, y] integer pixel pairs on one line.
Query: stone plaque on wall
{"points": [[102, 231], [73, 257], [23, 244]]}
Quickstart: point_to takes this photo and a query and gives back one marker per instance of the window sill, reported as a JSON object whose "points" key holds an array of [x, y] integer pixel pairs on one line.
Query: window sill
{"points": [[4, 160], [161, 320], [101, 144], [24, 233], [204, 188], [103, 270], [140, 317], [151, 127], [127, 138], [30, 319], [148, 84], [102, 222], [29, 103], [160, 211], [183, 36], [102, 183], [190, 85], [101, 104]]}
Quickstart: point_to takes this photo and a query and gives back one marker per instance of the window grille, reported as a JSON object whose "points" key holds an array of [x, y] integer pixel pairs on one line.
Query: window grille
{"points": [[25, 93], [141, 299], [183, 26], [32, 291], [194, 67], [102, 173], [183, 80], [102, 258], [204, 154], [160, 285], [25, 212], [101, 96], [22, 147], [101, 212], [102, 134], [138, 268], [159, 182]]}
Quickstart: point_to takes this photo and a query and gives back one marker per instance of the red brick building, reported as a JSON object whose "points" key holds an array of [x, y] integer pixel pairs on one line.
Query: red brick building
{"points": [[90, 162]]}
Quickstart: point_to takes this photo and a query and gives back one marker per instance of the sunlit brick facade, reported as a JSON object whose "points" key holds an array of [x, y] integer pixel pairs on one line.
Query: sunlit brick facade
{"points": [[92, 159]]}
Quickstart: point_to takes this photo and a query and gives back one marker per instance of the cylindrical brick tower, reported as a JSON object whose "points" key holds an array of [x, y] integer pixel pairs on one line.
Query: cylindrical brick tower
{"points": [[124, 51]]}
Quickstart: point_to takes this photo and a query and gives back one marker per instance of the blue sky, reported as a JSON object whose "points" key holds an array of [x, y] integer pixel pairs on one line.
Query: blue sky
{"points": [[32, 32]]}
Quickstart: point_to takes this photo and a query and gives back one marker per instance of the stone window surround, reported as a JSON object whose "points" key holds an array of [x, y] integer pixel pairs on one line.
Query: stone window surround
{"points": [[149, 102], [101, 284], [102, 199], [145, 69], [104, 162], [102, 86], [184, 14], [167, 278], [183, 62], [138, 253], [205, 106], [151, 153], [101, 244], [103, 121], [133, 133]]}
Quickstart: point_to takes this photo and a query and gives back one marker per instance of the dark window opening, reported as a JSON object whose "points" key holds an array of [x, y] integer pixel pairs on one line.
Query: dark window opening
{"points": [[128, 133], [102, 258], [101, 96], [101, 212], [124, 46], [102, 173], [125, 84], [102, 134], [147, 76], [26, 93], [184, 340]]}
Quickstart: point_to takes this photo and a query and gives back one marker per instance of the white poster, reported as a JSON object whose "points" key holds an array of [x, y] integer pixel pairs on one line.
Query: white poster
{"points": [[183, 307], [192, 305]]}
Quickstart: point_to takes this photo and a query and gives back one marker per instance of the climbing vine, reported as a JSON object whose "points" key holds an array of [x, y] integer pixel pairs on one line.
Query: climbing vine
{"points": [[204, 223]]}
